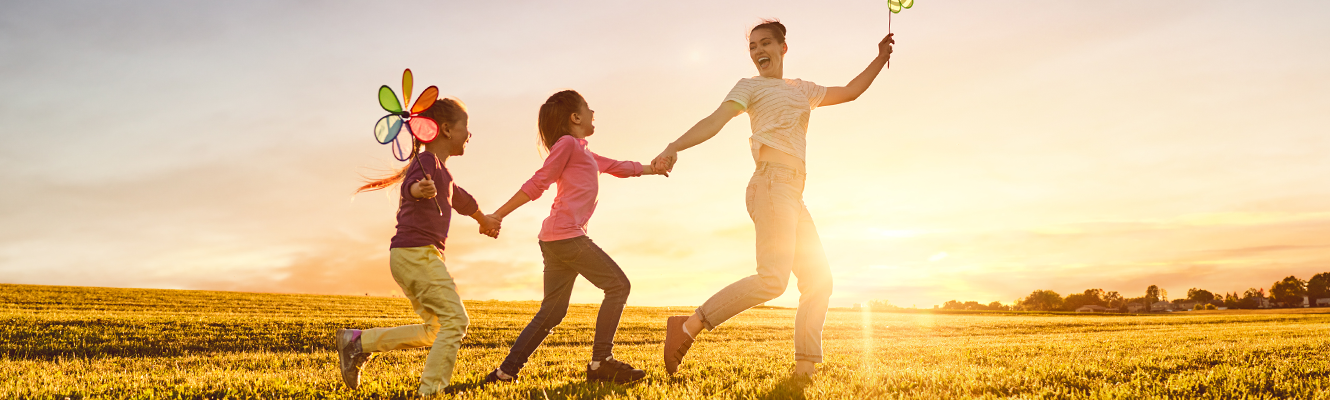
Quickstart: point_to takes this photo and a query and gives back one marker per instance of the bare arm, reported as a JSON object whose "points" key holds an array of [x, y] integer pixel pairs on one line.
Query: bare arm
{"points": [[702, 131], [489, 226], [518, 200], [856, 87]]}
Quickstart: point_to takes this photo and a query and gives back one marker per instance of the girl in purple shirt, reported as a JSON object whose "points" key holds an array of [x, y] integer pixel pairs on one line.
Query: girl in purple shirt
{"points": [[424, 212], [565, 123]]}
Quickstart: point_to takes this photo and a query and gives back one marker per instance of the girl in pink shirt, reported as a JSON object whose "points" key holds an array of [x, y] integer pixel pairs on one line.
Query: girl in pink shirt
{"points": [[565, 123]]}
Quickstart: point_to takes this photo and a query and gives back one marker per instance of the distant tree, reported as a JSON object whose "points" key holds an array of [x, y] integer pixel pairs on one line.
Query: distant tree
{"points": [[1042, 300], [1211, 306], [1318, 287], [1289, 291], [1200, 295], [1096, 297], [952, 305], [997, 306], [1113, 299], [1252, 298], [1151, 296], [881, 305], [1231, 300], [1076, 300]]}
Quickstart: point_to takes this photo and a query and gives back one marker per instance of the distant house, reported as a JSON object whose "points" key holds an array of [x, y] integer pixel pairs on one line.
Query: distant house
{"points": [[1114, 309], [1323, 302], [1135, 307], [1187, 305], [1161, 306], [1091, 308]]}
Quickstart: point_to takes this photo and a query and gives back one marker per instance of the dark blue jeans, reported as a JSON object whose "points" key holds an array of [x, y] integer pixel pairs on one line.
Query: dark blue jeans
{"points": [[564, 261]]}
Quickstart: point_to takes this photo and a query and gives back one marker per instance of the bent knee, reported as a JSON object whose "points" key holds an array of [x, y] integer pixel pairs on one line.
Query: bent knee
{"points": [[771, 287], [620, 288]]}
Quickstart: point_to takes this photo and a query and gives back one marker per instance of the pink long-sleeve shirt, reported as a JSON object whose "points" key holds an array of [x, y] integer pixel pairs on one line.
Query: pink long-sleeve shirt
{"points": [[575, 168]]}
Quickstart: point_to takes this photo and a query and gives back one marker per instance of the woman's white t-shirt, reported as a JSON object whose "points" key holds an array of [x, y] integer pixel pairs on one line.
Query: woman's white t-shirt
{"points": [[778, 110]]}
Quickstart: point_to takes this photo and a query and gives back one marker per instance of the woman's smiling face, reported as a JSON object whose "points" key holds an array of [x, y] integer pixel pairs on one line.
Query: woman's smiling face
{"points": [[767, 53]]}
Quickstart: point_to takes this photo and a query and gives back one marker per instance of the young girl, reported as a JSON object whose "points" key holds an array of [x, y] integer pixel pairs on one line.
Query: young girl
{"points": [[416, 257], [787, 240], [565, 122]]}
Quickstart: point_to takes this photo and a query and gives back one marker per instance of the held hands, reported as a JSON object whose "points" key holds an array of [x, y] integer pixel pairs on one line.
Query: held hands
{"points": [[884, 47], [424, 188], [490, 224], [664, 163]]}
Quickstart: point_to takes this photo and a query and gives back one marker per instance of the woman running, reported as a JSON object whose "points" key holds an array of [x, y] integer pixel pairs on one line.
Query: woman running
{"points": [[787, 241]]}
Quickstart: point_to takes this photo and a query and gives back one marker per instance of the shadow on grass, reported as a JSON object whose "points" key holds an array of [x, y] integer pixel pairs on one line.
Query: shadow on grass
{"points": [[792, 387], [570, 390], [581, 390]]}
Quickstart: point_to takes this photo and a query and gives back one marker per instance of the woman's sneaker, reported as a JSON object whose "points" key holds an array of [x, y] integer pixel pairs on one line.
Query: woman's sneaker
{"points": [[677, 343], [616, 371]]}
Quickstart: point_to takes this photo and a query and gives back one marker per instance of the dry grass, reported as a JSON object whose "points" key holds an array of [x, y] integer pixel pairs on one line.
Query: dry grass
{"points": [[58, 342]]}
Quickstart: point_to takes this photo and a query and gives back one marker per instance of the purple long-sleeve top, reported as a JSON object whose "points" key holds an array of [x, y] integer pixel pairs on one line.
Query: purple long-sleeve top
{"points": [[419, 222], [575, 169]]}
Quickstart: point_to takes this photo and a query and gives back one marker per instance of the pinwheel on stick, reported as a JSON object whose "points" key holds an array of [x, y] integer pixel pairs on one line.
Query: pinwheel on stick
{"points": [[387, 130]]}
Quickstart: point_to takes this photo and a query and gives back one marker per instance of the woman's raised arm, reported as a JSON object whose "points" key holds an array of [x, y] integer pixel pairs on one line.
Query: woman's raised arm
{"points": [[856, 87], [702, 131]]}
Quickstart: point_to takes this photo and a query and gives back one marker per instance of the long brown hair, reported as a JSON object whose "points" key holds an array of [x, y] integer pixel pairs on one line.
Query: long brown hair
{"points": [[446, 112], [553, 122]]}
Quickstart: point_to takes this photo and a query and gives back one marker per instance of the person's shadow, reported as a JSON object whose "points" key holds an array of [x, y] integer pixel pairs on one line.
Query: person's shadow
{"points": [[792, 387], [579, 390]]}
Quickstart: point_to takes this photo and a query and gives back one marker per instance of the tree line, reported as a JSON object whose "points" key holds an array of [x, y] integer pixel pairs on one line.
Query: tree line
{"points": [[1287, 292]]}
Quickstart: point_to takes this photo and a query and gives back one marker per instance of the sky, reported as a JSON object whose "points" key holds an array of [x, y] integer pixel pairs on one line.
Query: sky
{"points": [[1011, 146]]}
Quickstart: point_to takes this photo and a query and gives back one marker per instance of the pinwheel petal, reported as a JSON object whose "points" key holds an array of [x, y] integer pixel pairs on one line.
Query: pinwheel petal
{"points": [[407, 80], [907, 3], [425, 100], [425, 129], [387, 128], [402, 147], [894, 5], [388, 100]]}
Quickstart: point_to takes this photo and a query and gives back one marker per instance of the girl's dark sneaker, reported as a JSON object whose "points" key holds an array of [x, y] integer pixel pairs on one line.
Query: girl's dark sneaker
{"points": [[616, 371], [494, 377]]}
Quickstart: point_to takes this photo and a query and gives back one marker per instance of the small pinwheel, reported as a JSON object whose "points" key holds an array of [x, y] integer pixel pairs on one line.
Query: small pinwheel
{"points": [[896, 6], [422, 128]]}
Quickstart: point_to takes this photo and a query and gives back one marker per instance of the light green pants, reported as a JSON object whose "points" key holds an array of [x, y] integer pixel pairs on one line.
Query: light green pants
{"points": [[425, 281], [787, 242]]}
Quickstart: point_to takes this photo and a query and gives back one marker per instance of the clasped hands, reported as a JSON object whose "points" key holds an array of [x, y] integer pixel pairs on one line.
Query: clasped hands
{"points": [[490, 225], [664, 163]]}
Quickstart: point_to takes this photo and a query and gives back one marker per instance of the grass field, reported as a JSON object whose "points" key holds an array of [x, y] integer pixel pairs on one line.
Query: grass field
{"points": [[58, 342]]}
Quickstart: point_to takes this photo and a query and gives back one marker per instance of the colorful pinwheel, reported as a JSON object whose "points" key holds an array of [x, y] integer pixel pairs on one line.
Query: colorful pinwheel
{"points": [[422, 128]]}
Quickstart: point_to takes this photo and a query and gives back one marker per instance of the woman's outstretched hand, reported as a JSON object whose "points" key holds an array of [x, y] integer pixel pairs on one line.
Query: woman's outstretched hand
{"points": [[884, 47], [664, 163]]}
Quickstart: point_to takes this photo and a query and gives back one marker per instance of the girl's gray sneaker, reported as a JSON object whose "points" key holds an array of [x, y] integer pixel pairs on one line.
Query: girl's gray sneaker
{"points": [[350, 356]]}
